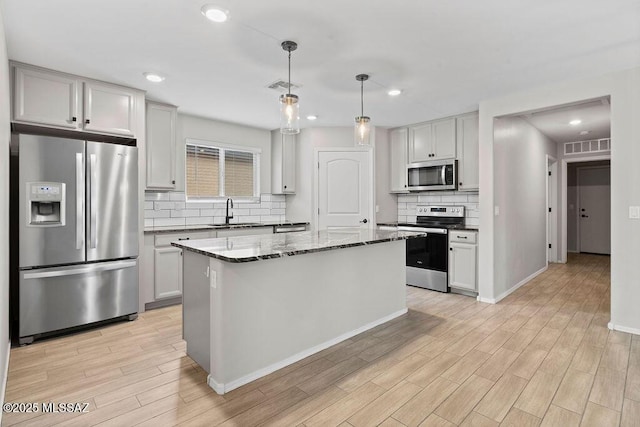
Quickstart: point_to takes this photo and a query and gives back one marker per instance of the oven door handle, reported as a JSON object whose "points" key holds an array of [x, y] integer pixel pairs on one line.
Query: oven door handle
{"points": [[424, 230]]}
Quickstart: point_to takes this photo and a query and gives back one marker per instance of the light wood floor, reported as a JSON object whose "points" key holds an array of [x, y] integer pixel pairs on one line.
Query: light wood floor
{"points": [[543, 356]]}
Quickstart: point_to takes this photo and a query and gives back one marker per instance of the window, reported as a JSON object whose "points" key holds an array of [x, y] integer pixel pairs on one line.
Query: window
{"points": [[216, 170]]}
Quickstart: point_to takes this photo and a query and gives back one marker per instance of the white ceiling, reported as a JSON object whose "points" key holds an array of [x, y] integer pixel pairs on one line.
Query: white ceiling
{"points": [[446, 55], [595, 118]]}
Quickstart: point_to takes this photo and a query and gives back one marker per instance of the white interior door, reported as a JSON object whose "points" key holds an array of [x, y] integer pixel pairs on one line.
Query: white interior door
{"points": [[594, 202], [344, 189]]}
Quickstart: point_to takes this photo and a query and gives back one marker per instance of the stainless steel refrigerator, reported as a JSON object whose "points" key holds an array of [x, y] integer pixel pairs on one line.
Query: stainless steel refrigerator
{"points": [[76, 217]]}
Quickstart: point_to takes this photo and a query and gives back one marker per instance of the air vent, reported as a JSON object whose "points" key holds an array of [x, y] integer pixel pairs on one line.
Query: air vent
{"points": [[592, 146], [280, 85]]}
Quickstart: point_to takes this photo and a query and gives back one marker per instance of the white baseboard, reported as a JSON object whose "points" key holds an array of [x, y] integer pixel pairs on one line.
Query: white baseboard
{"points": [[513, 288], [3, 386], [222, 388], [621, 328]]}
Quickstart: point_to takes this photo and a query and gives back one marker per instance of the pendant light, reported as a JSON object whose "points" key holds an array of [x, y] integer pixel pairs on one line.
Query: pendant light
{"points": [[289, 107], [363, 123]]}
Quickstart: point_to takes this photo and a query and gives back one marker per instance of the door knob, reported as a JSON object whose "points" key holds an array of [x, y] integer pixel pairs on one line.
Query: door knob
{"points": [[364, 221], [584, 216]]}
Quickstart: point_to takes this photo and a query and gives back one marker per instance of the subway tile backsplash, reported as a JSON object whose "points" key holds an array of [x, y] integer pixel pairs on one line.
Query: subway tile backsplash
{"points": [[172, 209], [407, 204]]}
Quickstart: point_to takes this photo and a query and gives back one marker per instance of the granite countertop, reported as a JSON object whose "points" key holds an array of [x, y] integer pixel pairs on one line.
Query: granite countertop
{"points": [[174, 228], [254, 248]]}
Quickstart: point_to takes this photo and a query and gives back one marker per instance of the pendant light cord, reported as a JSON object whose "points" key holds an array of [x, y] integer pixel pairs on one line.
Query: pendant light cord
{"points": [[361, 98], [289, 91]]}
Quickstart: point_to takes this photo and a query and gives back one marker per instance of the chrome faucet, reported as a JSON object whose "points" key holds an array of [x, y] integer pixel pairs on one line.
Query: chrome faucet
{"points": [[227, 217]]}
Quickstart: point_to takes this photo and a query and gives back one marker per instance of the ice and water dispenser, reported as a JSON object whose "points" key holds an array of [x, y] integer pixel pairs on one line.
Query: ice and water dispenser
{"points": [[45, 204]]}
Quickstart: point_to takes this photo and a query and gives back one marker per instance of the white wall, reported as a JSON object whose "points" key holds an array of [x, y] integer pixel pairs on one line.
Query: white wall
{"points": [[5, 135], [520, 160], [228, 133], [386, 202], [624, 89]]}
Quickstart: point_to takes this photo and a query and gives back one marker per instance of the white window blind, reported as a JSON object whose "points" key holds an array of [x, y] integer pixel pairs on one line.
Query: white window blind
{"points": [[221, 171]]}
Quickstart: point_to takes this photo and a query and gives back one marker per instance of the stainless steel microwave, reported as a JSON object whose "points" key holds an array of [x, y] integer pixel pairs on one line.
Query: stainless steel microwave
{"points": [[429, 176]]}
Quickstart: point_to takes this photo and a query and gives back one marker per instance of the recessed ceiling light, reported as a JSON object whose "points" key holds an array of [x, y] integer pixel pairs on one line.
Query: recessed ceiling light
{"points": [[394, 92], [585, 132], [153, 77], [575, 122], [215, 13], [312, 117]]}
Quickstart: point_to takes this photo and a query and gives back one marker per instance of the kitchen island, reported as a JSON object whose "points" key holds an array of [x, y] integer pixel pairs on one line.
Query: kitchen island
{"points": [[254, 304]]}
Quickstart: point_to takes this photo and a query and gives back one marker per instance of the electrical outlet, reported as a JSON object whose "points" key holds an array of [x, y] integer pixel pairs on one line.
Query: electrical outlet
{"points": [[634, 212]]}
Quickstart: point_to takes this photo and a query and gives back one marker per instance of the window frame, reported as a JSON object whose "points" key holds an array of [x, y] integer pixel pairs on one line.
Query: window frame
{"points": [[222, 149]]}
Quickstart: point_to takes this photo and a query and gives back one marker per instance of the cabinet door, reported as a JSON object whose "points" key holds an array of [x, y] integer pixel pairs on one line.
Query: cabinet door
{"points": [[444, 139], [288, 164], [45, 98], [462, 266], [420, 143], [467, 150], [167, 272], [398, 140], [108, 109], [161, 146]]}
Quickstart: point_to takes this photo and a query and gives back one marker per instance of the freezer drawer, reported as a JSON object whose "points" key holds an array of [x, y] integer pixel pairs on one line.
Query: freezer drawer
{"points": [[62, 297]]}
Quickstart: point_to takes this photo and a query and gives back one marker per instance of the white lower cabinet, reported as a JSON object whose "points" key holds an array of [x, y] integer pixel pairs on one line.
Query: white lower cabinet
{"points": [[162, 266], [244, 231], [463, 255], [167, 269]]}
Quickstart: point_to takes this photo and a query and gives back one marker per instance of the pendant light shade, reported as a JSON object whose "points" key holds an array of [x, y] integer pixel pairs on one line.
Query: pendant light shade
{"points": [[363, 123], [289, 106]]}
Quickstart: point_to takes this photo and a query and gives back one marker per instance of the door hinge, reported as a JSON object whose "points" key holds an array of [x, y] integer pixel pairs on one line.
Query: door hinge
{"points": [[549, 245], [549, 209]]}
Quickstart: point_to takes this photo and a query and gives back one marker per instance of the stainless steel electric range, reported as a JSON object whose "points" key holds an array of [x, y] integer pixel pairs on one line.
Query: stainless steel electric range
{"points": [[428, 257]]}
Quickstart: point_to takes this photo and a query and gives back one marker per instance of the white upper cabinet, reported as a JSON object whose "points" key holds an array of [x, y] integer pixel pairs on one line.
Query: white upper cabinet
{"points": [[283, 163], [432, 141], [467, 149], [49, 98], [108, 109], [420, 143], [161, 146], [398, 141], [46, 98]]}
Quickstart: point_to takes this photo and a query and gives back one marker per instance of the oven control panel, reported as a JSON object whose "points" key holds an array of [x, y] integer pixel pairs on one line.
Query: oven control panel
{"points": [[449, 211]]}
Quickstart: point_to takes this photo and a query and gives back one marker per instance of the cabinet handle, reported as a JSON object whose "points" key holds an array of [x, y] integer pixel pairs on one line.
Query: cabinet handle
{"points": [[285, 186], [183, 238], [462, 237], [460, 184], [74, 119], [87, 121], [450, 249], [173, 181]]}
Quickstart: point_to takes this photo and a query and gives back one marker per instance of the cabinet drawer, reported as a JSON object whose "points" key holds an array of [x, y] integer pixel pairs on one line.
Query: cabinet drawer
{"points": [[166, 239], [463, 236]]}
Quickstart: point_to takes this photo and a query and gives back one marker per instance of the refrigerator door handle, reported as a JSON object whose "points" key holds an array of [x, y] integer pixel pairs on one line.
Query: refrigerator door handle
{"points": [[93, 201], [79, 201], [88, 268]]}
